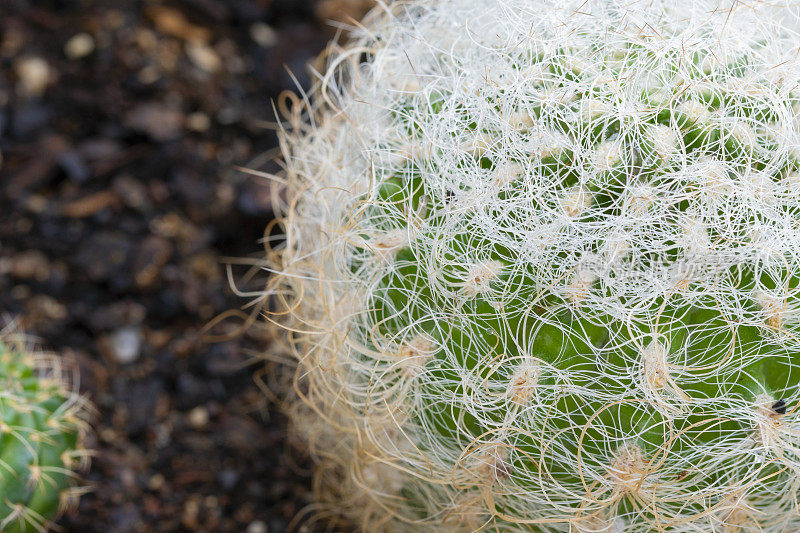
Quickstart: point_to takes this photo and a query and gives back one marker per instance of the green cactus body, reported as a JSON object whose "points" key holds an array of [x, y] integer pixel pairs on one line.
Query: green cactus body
{"points": [[40, 433], [546, 270]]}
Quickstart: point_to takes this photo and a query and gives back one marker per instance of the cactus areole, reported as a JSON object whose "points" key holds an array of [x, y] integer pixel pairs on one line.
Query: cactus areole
{"points": [[542, 265]]}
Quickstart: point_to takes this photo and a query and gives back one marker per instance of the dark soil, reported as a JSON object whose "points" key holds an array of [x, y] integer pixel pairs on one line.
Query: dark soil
{"points": [[122, 124]]}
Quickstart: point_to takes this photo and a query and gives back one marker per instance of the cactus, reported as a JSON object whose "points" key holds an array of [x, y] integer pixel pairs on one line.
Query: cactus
{"points": [[41, 427], [541, 268]]}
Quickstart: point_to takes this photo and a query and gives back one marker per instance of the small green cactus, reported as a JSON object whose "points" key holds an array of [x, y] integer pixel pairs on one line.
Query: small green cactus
{"points": [[42, 424], [542, 268]]}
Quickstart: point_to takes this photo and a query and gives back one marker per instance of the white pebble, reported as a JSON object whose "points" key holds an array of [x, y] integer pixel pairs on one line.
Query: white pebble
{"points": [[126, 344], [79, 46]]}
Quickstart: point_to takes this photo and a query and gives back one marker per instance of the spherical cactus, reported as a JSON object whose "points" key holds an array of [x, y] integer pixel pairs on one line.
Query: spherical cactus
{"points": [[542, 264], [41, 427]]}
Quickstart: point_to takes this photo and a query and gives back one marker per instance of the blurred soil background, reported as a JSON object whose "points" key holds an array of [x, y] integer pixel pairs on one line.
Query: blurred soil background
{"points": [[122, 123]]}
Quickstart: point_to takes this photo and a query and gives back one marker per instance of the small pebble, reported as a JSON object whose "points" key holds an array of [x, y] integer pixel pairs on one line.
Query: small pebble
{"points": [[198, 121], [204, 57], [131, 190], [228, 115], [198, 417], [161, 121], [73, 166], [156, 482], [148, 75], [257, 526], [263, 34], [126, 344], [30, 264], [79, 46], [33, 75], [228, 478]]}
